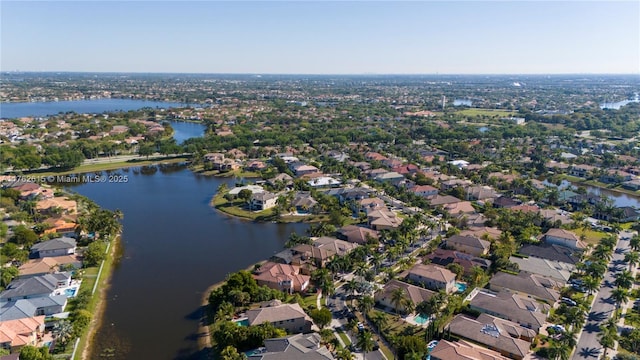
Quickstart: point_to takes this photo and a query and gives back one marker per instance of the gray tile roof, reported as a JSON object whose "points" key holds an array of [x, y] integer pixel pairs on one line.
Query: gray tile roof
{"points": [[294, 347], [44, 284], [546, 289], [55, 244]]}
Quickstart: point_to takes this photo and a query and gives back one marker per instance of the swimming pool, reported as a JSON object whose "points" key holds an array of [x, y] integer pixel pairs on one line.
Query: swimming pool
{"points": [[70, 292], [461, 287], [421, 319], [243, 322]]}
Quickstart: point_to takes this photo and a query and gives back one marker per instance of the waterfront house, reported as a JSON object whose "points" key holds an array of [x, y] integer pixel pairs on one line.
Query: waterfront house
{"points": [[564, 238], [26, 308], [581, 170], [303, 202], [289, 317], [416, 294], [532, 285], [64, 225], [55, 247], [15, 334], [513, 307], [282, 178], [293, 347], [34, 287], [282, 277], [503, 336], [49, 265], [468, 244], [57, 205], [263, 201], [463, 350], [433, 277]]}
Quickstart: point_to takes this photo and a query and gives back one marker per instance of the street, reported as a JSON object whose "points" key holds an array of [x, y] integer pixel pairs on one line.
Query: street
{"points": [[603, 307]]}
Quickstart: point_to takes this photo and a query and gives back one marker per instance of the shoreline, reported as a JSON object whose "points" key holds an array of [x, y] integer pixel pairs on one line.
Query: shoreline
{"points": [[98, 312]]}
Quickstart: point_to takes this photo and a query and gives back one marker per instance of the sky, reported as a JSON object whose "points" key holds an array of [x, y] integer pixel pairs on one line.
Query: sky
{"points": [[322, 37]]}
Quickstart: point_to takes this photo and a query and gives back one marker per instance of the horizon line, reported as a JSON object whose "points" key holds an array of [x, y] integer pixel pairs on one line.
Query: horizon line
{"points": [[310, 74]]}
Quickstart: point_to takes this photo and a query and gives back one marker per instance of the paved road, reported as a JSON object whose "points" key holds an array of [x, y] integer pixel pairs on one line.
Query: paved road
{"points": [[589, 347]]}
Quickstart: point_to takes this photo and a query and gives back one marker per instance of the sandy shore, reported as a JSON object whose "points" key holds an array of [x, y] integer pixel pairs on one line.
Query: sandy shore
{"points": [[96, 320]]}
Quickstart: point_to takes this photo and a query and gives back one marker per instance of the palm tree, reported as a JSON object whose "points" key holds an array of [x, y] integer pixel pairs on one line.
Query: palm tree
{"points": [[633, 258], [351, 287], [477, 275], [602, 252], [397, 298], [344, 354], [624, 279], [365, 304], [591, 284], [365, 342], [575, 317], [608, 335], [620, 296], [379, 319], [634, 243]]}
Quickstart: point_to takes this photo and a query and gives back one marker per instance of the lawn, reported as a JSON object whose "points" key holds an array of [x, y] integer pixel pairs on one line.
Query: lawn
{"points": [[235, 208], [590, 236], [486, 112], [345, 338]]}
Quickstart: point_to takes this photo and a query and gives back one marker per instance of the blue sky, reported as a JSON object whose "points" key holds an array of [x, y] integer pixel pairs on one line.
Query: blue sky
{"points": [[305, 37]]}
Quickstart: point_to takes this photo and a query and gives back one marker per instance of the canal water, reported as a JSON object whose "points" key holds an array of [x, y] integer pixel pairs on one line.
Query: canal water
{"points": [[174, 245]]}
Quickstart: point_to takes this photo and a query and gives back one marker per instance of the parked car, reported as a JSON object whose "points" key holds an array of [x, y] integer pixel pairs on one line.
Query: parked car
{"points": [[568, 301]]}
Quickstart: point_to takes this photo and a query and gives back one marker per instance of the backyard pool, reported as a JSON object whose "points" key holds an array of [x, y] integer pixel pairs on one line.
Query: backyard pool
{"points": [[70, 292], [243, 322], [421, 319], [461, 287]]}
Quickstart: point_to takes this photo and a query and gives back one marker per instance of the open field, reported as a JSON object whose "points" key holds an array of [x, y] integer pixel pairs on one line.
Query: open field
{"points": [[486, 112]]}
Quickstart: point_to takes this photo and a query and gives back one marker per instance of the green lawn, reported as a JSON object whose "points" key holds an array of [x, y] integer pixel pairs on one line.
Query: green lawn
{"points": [[590, 236], [344, 337], [235, 208]]}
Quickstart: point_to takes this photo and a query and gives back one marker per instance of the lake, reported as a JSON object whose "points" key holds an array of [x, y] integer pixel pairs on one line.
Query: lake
{"points": [[186, 130], [98, 106], [174, 246], [619, 199]]}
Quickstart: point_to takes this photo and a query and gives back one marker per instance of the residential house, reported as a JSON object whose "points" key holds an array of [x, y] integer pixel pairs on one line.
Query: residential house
{"points": [[369, 204], [581, 170], [415, 294], [236, 154], [63, 225], [253, 188], [54, 247], [34, 287], [482, 232], [504, 202], [255, 165], [350, 194], [390, 177], [57, 204], [552, 252], [303, 169], [323, 250], [49, 265], [564, 238], [628, 214], [454, 183], [323, 182], [442, 200], [289, 317], [537, 286], [433, 277], [444, 257], [293, 347], [513, 307], [392, 163], [554, 216], [383, 219], [463, 350], [374, 156], [303, 202], [282, 178], [26, 308], [282, 277], [557, 270], [263, 201], [406, 169], [503, 336], [357, 234], [481, 193], [468, 244], [615, 176], [459, 208], [213, 157], [632, 184], [15, 334], [424, 190]]}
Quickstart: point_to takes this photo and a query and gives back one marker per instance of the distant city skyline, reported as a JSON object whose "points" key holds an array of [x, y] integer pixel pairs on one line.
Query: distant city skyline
{"points": [[304, 37]]}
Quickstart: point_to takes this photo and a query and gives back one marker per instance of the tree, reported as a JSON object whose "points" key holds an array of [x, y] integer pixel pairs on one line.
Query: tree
{"points": [[634, 243], [624, 280], [95, 253], [365, 342], [22, 235], [33, 353], [620, 296], [632, 258], [397, 298], [8, 274], [365, 304], [245, 195], [321, 317], [456, 269], [591, 284], [344, 354], [608, 335], [231, 353], [146, 149]]}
